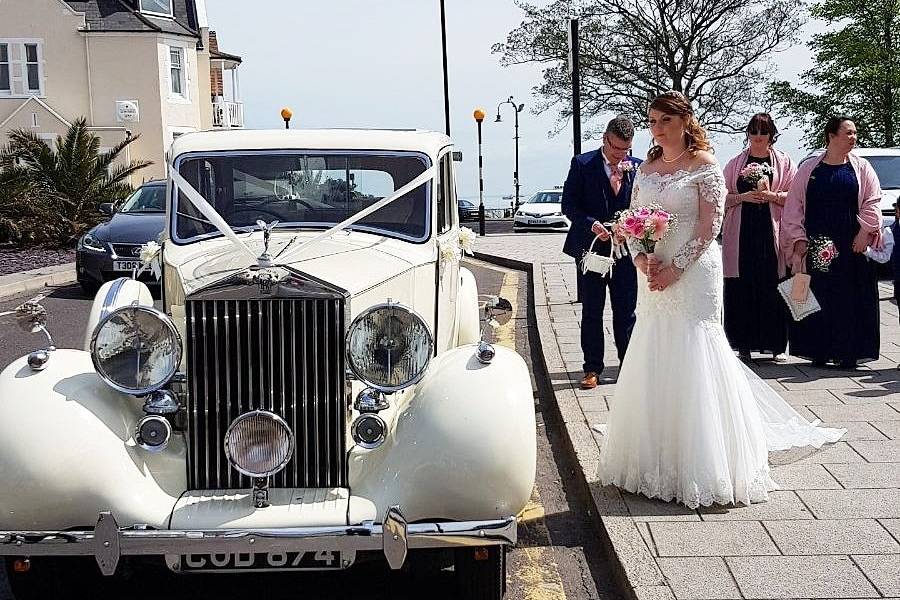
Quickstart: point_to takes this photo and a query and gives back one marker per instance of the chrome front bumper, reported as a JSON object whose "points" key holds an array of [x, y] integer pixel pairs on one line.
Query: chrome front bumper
{"points": [[107, 543]]}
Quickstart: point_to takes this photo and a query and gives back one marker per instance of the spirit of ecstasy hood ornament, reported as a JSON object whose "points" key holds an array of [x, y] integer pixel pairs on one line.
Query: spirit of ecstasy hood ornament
{"points": [[265, 259]]}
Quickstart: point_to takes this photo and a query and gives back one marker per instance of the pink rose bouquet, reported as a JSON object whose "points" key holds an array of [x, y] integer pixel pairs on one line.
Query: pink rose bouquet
{"points": [[756, 173], [822, 252], [645, 225]]}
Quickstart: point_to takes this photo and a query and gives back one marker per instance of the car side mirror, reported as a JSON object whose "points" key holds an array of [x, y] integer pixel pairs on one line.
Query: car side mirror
{"points": [[497, 310], [107, 208]]}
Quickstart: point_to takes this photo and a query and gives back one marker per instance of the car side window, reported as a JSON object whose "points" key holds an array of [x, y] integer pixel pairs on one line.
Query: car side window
{"points": [[445, 195]]}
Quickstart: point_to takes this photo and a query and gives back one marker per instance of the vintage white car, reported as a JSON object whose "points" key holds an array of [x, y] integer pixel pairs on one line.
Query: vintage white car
{"points": [[314, 392]]}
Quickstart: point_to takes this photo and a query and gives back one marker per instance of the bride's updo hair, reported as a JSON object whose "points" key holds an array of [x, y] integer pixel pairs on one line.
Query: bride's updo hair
{"points": [[676, 104]]}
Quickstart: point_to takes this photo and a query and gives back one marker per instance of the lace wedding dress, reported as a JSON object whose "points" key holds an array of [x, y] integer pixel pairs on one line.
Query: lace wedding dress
{"points": [[689, 421]]}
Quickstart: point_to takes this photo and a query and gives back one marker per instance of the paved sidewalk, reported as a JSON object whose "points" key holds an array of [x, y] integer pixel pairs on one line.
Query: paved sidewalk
{"points": [[37, 279], [833, 531]]}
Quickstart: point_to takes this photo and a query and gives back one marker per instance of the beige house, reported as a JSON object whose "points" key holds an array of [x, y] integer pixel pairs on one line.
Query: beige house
{"points": [[148, 67]]}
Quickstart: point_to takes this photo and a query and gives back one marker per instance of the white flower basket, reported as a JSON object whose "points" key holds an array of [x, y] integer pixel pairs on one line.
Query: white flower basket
{"points": [[597, 263]]}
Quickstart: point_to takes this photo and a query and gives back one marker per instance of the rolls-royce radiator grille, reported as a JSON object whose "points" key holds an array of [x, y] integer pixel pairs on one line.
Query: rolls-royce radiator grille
{"points": [[281, 355]]}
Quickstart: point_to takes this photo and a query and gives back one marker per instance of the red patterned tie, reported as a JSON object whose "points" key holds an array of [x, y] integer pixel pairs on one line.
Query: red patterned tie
{"points": [[615, 179]]}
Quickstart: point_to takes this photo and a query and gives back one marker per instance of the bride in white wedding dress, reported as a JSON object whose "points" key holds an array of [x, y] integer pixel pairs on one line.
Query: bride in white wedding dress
{"points": [[689, 421]]}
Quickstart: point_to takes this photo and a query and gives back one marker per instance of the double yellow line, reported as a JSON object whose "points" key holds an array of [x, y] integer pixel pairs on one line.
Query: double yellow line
{"points": [[539, 575]]}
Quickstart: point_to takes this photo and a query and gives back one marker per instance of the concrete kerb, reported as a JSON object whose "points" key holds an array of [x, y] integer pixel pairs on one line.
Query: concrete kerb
{"points": [[37, 279], [637, 572]]}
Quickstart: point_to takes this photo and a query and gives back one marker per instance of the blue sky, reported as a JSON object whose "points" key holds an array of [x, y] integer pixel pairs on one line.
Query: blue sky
{"points": [[355, 63]]}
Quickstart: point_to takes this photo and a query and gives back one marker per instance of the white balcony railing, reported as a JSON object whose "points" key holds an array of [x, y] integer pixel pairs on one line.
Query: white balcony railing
{"points": [[228, 114]]}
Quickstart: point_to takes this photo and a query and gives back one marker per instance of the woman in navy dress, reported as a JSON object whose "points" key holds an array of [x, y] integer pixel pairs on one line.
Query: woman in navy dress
{"points": [[834, 200], [756, 318]]}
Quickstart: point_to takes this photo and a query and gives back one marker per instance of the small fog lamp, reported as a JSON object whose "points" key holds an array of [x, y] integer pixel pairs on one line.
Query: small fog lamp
{"points": [[368, 431]]}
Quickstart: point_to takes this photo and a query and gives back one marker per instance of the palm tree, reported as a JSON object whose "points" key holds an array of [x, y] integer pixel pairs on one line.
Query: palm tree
{"points": [[27, 217], [74, 176]]}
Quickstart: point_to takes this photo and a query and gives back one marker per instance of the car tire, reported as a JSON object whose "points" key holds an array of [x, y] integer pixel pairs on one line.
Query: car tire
{"points": [[5, 589], [480, 577], [89, 287], [42, 582]]}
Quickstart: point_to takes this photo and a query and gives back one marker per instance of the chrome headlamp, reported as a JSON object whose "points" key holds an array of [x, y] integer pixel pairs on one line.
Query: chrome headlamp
{"points": [[136, 349], [389, 347], [259, 443]]}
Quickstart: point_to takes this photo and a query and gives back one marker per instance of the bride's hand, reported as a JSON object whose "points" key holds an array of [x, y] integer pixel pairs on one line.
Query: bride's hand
{"points": [[664, 278], [640, 261], [653, 266]]}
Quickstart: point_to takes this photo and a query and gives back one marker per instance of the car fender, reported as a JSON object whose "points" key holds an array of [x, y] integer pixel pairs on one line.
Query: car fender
{"points": [[112, 295], [67, 450], [461, 446], [469, 331]]}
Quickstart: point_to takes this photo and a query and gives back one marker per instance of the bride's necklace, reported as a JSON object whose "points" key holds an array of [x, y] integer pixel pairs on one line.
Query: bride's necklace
{"points": [[671, 160]]}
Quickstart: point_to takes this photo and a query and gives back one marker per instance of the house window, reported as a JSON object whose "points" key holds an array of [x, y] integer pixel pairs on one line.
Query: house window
{"points": [[157, 7], [21, 67], [176, 71], [33, 68], [4, 68]]}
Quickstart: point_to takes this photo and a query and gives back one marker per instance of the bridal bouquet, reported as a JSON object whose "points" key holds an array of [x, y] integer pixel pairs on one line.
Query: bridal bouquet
{"points": [[757, 174], [645, 225]]}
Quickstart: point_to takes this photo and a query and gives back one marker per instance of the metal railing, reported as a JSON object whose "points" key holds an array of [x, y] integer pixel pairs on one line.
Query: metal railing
{"points": [[228, 114]]}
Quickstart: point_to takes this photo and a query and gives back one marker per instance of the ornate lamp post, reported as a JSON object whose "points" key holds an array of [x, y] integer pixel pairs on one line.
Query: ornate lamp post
{"points": [[516, 110], [479, 117], [286, 114]]}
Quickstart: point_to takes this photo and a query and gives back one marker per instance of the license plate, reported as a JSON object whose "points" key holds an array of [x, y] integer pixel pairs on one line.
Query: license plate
{"points": [[537, 222], [126, 265], [321, 560]]}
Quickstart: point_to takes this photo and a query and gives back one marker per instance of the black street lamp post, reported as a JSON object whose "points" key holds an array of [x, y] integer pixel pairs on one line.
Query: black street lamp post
{"points": [[446, 81], [516, 109], [479, 117]]}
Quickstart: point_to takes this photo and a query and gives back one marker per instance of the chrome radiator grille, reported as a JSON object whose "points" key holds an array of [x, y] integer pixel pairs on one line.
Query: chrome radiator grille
{"points": [[281, 355]]}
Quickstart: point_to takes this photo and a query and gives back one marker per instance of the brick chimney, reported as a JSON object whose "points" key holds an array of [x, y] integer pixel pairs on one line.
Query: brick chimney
{"points": [[215, 69]]}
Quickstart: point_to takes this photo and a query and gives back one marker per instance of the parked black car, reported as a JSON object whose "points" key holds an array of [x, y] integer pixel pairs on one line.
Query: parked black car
{"points": [[112, 249], [468, 211]]}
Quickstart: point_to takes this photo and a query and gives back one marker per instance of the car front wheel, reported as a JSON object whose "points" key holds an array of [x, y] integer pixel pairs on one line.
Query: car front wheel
{"points": [[89, 287], [481, 572]]}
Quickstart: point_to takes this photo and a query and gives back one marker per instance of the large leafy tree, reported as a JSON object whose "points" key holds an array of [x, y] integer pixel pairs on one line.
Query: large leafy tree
{"points": [[72, 178], [856, 72], [717, 52]]}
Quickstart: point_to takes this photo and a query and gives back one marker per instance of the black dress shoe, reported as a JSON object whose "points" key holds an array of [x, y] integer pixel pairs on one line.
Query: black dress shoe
{"points": [[819, 362], [848, 364]]}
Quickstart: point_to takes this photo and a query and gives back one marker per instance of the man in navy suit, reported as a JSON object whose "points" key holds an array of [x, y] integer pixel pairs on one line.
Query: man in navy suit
{"points": [[599, 184]]}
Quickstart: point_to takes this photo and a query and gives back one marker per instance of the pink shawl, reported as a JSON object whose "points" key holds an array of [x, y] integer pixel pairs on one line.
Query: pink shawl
{"points": [[731, 227], [792, 222]]}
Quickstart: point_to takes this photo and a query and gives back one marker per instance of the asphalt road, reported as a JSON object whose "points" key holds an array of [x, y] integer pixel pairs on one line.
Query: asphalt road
{"points": [[558, 555]]}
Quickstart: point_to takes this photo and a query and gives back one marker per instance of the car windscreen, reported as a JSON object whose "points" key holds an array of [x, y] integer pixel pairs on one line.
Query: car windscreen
{"points": [[148, 198], [305, 190], [888, 169], [546, 198]]}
